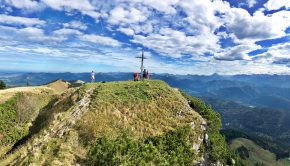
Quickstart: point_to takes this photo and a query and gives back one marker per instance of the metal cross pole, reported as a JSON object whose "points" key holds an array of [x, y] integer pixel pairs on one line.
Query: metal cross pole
{"points": [[142, 57]]}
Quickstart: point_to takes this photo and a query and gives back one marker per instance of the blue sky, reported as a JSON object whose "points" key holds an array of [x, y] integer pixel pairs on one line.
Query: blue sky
{"points": [[178, 36]]}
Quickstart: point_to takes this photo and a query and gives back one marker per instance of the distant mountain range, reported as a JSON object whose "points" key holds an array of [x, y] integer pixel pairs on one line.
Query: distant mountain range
{"points": [[271, 91]]}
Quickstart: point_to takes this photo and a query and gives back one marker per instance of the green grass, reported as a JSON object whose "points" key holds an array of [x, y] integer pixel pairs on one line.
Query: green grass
{"points": [[16, 116], [17, 113], [8, 122], [144, 108], [257, 154]]}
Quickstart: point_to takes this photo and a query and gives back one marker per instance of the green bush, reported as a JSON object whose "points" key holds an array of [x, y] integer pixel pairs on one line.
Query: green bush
{"points": [[16, 114], [10, 129], [174, 148], [2, 84]]}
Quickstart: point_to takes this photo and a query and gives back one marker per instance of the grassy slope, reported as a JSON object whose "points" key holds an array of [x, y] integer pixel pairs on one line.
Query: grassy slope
{"points": [[257, 154], [19, 107], [140, 109]]}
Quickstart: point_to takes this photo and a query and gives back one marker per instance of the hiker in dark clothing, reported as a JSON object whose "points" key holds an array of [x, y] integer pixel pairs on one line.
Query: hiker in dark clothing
{"points": [[147, 74], [144, 74]]}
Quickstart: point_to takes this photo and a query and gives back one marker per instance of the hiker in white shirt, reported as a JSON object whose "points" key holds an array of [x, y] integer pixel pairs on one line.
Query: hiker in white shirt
{"points": [[92, 76]]}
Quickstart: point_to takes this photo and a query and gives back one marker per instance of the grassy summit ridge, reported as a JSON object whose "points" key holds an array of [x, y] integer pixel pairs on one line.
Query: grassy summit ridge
{"points": [[122, 123], [140, 108]]}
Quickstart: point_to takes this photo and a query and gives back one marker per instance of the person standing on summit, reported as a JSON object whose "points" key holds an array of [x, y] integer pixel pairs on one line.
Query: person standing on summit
{"points": [[144, 74], [147, 74], [92, 76]]}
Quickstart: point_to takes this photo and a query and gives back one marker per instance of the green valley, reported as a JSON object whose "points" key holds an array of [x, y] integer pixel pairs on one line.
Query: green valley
{"points": [[256, 154]]}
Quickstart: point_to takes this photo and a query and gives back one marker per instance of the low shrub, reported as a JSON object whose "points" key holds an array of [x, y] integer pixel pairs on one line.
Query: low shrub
{"points": [[173, 148]]}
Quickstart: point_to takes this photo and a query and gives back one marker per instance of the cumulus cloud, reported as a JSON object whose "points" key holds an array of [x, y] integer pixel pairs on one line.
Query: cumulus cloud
{"points": [[167, 6], [15, 20], [32, 34], [251, 3], [239, 52], [202, 15], [84, 6], [175, 43], [103, 40], [76, 4], [121, 15], [35, 34], [75, 25], [276, 54], [277, 4], [127, 31], [26, 4], [65, 32], [247, 28]]}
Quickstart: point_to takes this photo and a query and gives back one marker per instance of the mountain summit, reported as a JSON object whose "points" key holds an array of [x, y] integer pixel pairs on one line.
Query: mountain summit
{"points": [[114, 123]]}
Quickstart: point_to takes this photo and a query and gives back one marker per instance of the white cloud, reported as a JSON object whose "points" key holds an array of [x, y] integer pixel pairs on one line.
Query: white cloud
{"points": [[43, 50], [75, 25], [276, 54], [145, 28], [247, 28], [32, 34], [84, 6], [175, 43], [15, 20], [103, 40], [251, 3], [202, 14], [239, 52], [26, 4], [166, 6], [31, 31], [120, 15], [277, 4], [76, 4], [35, 34], [66, 31], [127, 31]]}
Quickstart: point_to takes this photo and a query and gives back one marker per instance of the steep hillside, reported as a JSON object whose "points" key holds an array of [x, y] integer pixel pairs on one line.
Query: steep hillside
{"points": [[122, 123], [19, 107], [255, 154]]}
